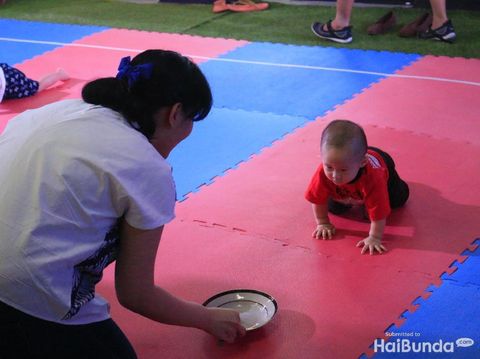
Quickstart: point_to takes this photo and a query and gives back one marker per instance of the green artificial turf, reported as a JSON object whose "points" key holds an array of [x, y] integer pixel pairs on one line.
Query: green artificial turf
{"points": [[281, 23]]}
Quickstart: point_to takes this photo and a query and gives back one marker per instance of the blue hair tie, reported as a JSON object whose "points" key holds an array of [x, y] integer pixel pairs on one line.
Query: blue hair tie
{"points": [[133, 73]]}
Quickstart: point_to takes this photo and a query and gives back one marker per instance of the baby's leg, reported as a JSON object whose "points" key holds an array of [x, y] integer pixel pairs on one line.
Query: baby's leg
{"points": [[398, 190], [51, 79], [337, 207]]}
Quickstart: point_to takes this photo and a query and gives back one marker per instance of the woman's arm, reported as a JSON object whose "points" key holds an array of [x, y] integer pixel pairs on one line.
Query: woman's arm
{"points": [[136, 289]]}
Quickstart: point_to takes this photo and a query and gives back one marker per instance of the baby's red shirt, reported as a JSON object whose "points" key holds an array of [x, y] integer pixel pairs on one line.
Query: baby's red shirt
{"points": [[369, 188]]}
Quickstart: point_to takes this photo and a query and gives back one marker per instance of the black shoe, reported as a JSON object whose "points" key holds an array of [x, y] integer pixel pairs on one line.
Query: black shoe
{"points": [[343, 36], [446, 33]]}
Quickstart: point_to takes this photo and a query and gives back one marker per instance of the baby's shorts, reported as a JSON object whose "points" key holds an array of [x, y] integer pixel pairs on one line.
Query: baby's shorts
{"points": [[17, 85]]}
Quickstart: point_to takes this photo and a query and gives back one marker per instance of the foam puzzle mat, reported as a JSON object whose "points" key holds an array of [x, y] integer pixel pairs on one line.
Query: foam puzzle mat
{"points": [[435, 318], [242, 220]]}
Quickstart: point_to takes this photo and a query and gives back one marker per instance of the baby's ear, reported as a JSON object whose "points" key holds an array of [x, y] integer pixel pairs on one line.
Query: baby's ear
{"points": [[364, 161]]}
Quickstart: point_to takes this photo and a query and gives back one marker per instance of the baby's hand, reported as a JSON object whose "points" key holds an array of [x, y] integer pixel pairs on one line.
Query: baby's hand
{"points": [[371, 244], [324, 231]]}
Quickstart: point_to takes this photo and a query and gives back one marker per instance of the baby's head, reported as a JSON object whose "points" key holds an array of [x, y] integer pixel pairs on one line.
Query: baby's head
{"points": [[343, 148]]}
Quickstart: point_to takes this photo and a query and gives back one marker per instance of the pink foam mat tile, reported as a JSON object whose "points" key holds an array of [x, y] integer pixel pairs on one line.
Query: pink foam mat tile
{"points": [[142, 40], [438, 108], [264, 196], [326, 305], [456, 68]]}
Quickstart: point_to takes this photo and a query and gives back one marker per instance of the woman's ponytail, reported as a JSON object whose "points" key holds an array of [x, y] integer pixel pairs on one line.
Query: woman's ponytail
{"points": [[150, 81]]}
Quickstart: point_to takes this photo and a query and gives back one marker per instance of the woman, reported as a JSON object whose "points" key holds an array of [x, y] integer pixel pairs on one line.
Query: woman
{"points": [[85, 182]]}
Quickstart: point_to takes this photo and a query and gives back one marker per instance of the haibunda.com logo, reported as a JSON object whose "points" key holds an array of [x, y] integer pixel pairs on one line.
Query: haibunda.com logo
{"points": [[408, 346]]}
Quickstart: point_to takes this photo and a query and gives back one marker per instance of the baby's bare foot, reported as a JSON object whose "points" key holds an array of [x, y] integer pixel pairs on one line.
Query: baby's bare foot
{"points": [[63, 75]]}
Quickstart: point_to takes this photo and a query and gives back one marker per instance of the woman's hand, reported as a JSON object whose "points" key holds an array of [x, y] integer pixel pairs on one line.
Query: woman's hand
{"points": [[324, 231], [224, 324], [371, 244]]}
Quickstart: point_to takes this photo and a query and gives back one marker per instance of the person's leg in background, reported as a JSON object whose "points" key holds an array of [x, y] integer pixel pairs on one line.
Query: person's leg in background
{"points": [[338, 29], [343, 14], [439, 11], [442, 28]]}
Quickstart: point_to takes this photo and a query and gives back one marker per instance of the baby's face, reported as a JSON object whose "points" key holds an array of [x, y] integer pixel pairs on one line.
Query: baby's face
{"points": [[340, 166]]}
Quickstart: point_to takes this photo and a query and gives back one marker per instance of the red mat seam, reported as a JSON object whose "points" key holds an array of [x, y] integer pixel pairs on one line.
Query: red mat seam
{"points": [[420, 134], [242, 231]]}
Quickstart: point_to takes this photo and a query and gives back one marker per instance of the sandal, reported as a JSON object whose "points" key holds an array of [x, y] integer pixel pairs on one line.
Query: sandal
{"points": [[219, 6], [239, 6], [248, 5]]}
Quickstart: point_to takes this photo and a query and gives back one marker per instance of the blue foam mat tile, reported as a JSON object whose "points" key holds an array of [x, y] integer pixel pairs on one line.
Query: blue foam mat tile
{"points": [[296, 80], [419, 300], [405, 315], [448, 319], [15, 52], [468, 272], [392, 327], [450, 314], [468, 252], [222, 141], [339, 58]]}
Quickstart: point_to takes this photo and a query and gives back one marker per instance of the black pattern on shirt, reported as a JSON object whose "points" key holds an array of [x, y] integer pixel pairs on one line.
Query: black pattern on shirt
{"points": [[89, 272]]}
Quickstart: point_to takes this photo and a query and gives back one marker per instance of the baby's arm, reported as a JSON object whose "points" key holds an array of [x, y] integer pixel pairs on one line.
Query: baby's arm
{"points": [[324, 229], [374, 240]]}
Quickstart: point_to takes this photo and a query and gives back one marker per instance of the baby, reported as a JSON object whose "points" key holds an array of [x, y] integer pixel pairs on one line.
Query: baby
{"points": [[354, 174], [15, 84]]}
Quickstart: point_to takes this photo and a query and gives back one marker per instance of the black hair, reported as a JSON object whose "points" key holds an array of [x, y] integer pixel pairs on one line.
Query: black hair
{"points": [[174, 79], [342, 133]]}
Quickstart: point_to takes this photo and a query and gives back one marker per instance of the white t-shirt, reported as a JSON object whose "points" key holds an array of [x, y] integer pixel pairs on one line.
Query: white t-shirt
{"points": [[68, 172], [3, 84]]}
